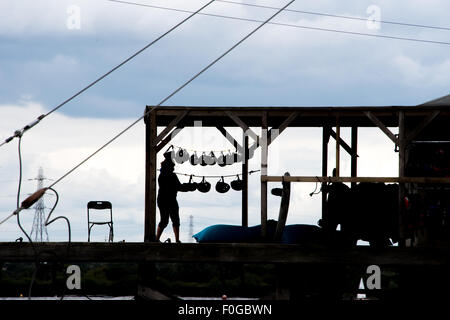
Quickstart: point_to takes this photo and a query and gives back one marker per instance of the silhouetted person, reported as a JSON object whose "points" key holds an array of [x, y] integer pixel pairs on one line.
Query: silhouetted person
{"points": [[169, 185]]}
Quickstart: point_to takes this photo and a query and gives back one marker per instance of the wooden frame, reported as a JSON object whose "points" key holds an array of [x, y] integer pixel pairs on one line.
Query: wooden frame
{"points": [[410, 121]]}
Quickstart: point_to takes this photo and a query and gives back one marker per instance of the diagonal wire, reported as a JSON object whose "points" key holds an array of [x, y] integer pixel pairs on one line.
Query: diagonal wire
{"points": [[338, 16], [172, 94], [288, 24], [41, 117]]}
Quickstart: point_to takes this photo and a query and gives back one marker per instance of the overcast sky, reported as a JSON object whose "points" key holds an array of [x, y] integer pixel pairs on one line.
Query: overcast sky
{"points": [[51, 49]]}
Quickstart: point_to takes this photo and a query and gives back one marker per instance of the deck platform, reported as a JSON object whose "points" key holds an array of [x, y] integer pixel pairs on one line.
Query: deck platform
{"points": [[221, 253]]}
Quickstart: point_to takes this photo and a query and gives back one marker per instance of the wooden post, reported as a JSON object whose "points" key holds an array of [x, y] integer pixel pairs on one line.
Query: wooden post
{"points": [[245, 182], [264, 172], [401, 174], [150, 178], [338, 147], [325, 139], [354, 146]]}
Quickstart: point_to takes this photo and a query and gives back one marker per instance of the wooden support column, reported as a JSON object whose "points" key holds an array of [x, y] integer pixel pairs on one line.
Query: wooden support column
{"points": [[264, 172], [150, 178], [401, 174], [325, 140], [245, 182], [354, 161], [338, 147]]}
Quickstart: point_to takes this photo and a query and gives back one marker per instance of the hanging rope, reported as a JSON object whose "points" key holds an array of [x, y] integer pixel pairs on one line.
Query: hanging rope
{"points": [[214, 176]]}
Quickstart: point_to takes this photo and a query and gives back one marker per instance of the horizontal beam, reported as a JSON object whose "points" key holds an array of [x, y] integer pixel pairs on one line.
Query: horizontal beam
{"points": [[355, 179], [231, 252]]}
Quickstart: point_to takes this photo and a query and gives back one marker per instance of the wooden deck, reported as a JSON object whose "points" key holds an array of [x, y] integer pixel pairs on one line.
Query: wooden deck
{"points": [[242, 253]]}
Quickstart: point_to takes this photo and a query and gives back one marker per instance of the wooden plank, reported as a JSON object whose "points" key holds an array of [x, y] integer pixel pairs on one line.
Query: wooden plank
{"points": [[227, 252], [167, 139], [242, 124], [245, 183], [169, 128], [422, 125], [325, 140], [380, 125], [354, 159], [150, 179], [284, 209], [338, 148], [424, 180], [230, 138], [401, 174], [343, 144], [264, 158]]}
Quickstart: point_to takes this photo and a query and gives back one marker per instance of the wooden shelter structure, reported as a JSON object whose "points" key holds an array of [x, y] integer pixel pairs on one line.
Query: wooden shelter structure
{"points": [[425, 122], [405, 126]]}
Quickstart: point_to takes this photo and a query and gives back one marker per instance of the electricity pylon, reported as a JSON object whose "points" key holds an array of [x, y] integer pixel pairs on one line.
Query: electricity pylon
{"points": [[39, 229]]}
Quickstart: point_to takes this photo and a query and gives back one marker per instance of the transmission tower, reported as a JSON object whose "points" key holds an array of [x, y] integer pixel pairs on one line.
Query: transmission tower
{"points": [[191, 227], [39, 229]]}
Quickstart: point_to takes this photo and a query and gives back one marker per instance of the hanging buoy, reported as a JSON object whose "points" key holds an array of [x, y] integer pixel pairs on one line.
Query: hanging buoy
{"points": [[204, 186], [203, 160], [222, 186], [181, 156], [222, 160], [210, 159], [192, 186], [229, 159], [237, 184], [194, 159]]}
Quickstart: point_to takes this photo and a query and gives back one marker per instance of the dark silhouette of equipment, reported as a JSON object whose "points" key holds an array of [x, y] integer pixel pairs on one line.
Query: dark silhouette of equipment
{"points": [[100, 205]]}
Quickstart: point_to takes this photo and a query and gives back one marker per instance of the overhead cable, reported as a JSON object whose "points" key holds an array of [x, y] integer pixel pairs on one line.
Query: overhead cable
{"points": [[338, 16], [170, 95], [289, 24], [35, 196], [42, 116]]}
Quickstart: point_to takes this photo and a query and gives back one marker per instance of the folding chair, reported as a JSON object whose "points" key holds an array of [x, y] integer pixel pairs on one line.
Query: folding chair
{"points": [[100, 205]]}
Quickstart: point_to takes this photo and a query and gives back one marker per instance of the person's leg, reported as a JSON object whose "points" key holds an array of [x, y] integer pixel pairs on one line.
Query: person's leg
{"points": [[175, 217], [159, 231], [164, 213], [176, 232]]}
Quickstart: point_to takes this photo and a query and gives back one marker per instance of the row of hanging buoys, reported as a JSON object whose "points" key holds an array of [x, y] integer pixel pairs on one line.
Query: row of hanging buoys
{"points": [[181, 156], [221, 186]]}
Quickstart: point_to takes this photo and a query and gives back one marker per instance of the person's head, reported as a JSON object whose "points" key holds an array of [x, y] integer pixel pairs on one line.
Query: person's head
{"points": [[167, 165]]}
